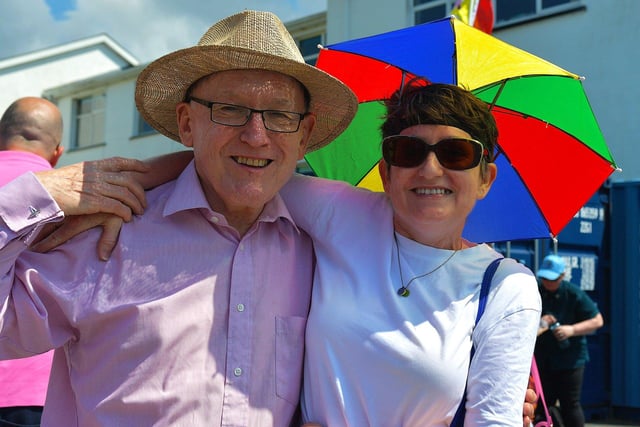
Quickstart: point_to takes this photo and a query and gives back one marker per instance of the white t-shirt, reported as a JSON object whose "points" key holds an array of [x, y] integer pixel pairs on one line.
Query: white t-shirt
{"points": [[374, 358]]}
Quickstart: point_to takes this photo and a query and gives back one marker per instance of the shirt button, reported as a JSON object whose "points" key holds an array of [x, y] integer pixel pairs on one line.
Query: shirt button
{"points": [[237, 372], [214, 219], [240, 307]]}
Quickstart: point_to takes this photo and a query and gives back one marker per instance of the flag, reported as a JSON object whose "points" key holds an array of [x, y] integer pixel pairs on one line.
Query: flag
{"points": [[477, 13]]}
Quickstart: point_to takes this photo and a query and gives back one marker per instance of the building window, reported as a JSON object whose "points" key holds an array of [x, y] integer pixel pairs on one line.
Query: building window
{"points": [[309, 48], [505, 11], [510, 12], [430, 10], [89, 121], [308, 33], [142, 127]]}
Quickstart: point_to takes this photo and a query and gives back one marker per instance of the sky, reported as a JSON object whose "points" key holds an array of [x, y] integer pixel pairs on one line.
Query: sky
{"points": [[147, 29]]}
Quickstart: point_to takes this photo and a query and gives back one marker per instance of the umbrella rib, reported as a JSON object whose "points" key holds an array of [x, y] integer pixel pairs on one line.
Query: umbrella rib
{"points": [[495, 98], [493, 104]]}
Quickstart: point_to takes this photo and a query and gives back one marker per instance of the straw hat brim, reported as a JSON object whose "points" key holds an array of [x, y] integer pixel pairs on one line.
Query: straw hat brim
{"points": [[164, 82]]}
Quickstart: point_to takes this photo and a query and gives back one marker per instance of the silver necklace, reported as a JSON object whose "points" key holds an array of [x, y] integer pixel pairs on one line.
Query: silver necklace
{"points": [[403, 291]]}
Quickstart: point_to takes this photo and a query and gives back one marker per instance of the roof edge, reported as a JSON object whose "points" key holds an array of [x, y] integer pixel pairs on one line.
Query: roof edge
{"points": [[70, 47]]}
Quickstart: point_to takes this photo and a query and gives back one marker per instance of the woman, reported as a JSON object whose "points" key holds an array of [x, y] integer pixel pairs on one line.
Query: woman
{"points": [[396, 284]]}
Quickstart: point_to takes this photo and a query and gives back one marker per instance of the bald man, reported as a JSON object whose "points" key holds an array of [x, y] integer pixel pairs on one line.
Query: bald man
{"points": [[30, 135]]}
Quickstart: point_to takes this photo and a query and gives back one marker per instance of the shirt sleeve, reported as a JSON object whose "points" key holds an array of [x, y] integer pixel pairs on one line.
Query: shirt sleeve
{"points": [[505, 342], [319, 205], [310, 198], [25, 208], [586, 307]]}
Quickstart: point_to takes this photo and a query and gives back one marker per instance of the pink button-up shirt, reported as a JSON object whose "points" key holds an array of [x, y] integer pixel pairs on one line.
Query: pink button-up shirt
{"points": [[188, 324], [14, 163], [23, 382]]}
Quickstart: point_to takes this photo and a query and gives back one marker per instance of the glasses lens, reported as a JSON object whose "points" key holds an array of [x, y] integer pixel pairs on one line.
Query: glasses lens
{"points": [[404, 151], [458, 153], [281, 121], [228, 114], [452, 153]]}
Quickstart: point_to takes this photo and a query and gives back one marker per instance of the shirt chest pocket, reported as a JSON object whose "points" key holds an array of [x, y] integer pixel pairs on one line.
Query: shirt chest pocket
{"points": [[289, 357]]}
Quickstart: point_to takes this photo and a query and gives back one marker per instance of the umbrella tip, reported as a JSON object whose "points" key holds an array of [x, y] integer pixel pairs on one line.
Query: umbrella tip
{"points": [[320, 46]]}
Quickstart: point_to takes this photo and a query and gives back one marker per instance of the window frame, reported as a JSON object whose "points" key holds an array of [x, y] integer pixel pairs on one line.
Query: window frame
{"points": [[306, 29], [541, 12], [79, 118], [311, 58]]}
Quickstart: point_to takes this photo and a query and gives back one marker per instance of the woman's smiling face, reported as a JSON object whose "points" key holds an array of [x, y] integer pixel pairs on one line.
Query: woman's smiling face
{"points": [[431, 203]]}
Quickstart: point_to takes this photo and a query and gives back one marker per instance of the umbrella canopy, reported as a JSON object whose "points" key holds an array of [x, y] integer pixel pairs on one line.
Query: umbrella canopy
{"points": [[552, 155]]}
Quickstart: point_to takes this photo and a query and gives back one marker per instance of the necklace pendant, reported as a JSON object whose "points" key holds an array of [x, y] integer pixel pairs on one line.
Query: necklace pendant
{"points": [[403, 292]]}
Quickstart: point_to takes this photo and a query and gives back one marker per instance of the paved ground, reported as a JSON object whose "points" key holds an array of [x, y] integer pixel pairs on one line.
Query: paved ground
{"points": [[610, 424]]}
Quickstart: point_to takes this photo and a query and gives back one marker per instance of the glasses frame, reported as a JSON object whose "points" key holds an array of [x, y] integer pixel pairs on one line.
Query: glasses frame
{"points": [[479, 151], [251, 111]]}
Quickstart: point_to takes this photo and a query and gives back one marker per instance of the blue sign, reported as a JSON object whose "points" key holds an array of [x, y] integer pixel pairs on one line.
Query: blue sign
{"points": [[580, 269]]}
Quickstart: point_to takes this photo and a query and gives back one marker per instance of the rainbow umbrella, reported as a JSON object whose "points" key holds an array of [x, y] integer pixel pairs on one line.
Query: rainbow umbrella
{"points": [[551, 157]]}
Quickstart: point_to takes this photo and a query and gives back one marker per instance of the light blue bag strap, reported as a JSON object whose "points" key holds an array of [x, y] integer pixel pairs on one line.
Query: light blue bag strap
{"points": [[458, 418]]}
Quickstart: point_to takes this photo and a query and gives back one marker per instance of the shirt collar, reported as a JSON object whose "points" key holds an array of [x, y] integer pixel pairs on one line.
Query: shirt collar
{"points": [[188, 194], [13, 155]]}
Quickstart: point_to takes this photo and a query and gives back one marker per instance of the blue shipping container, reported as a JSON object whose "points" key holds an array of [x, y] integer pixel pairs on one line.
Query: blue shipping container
{"points": [[625, 294]]}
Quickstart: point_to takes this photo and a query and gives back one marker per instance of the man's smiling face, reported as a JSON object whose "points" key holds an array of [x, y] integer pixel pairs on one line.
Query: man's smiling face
{"points": [[242, 167]]}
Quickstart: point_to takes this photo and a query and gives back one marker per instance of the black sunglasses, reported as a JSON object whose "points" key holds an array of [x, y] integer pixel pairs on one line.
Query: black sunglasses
{"points": [[452, 153]]}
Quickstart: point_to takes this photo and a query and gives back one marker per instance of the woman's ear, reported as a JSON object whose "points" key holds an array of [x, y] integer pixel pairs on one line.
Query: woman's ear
{"points": [[384, 171], [487, 177]]}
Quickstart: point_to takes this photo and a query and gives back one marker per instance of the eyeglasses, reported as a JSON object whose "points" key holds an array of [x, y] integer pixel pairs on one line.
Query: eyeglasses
{"points": [[452, 153], [237, 115]]}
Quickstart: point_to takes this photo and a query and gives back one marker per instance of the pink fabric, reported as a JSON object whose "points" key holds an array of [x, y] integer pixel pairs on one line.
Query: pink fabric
{"points": [[188, 324], [24, 381], [15, 163]]}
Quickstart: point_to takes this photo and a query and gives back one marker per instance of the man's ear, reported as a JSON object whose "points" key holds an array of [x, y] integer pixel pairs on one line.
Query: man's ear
{"points": [[307, 125], [56, 155], [183, 116]]}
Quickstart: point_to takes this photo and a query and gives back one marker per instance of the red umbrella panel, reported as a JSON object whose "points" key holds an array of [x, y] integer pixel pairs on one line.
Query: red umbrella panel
{"points": [[552, 154]]}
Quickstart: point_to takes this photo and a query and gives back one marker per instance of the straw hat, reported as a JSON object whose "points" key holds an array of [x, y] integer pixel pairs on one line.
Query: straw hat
{"points": [[247, 40]]}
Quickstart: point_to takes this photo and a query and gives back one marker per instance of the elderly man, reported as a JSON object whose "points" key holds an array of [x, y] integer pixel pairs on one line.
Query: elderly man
{"points": [[198, 317]]}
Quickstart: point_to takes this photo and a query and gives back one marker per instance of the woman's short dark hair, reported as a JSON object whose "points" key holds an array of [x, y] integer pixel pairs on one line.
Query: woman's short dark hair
{"points": [[422, 103]]}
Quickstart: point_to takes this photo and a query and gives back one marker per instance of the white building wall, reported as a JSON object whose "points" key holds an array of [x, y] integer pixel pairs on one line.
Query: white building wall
{"points": [[120, 123], [599, 41], [31, 74]]}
